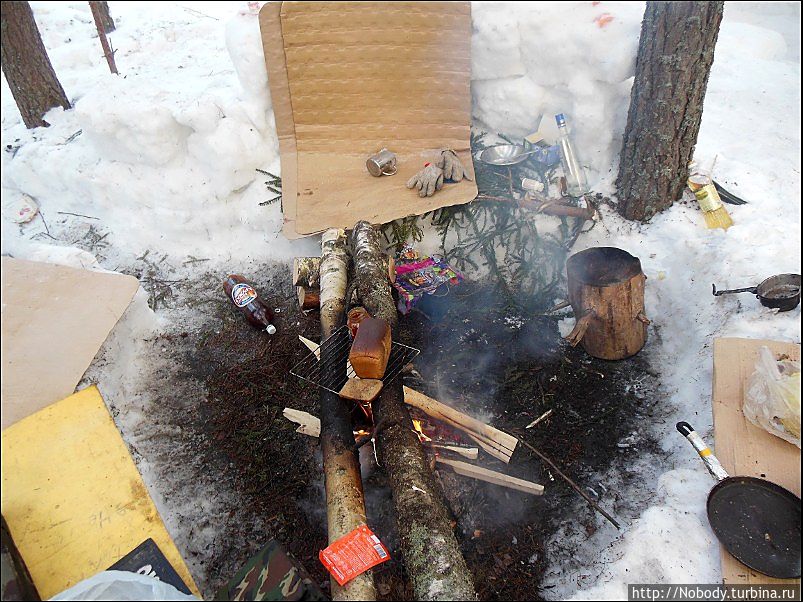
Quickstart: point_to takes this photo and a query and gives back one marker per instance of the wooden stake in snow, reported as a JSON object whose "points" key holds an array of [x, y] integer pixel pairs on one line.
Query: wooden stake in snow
{"points": [[430, 550], [345, 506]]}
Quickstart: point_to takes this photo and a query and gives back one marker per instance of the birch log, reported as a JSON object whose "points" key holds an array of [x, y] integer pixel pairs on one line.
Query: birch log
{"points": [[429, 547], [345, 504]]}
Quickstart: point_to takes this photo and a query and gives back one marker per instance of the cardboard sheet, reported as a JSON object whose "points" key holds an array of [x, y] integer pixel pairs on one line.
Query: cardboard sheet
{"points": [[745, 449], [360, 77], [73, 498], [55, 319]]}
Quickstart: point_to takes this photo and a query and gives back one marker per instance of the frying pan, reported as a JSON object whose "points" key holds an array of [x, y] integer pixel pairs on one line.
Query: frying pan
{"points": [[757, 521], [781, 291]]}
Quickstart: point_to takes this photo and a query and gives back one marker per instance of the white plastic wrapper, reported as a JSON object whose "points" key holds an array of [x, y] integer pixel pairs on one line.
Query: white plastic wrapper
{"points": [[122, 585], [772, 400]]}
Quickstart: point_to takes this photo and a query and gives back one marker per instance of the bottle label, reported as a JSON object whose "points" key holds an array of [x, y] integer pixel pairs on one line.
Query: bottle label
{"points": [[708, 197], [242, 294]]}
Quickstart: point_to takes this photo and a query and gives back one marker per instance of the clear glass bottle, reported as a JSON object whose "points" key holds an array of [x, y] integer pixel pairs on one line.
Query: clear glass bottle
{"points": [[576, 184]]}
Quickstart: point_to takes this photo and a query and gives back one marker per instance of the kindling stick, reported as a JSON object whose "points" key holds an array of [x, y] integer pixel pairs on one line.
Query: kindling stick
{"points": [[573, 485]]}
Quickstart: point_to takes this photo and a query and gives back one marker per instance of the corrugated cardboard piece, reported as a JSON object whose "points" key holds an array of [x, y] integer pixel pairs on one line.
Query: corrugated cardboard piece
{"points": [[55, 319], [745, 449], [73, 499], [358, 77]]}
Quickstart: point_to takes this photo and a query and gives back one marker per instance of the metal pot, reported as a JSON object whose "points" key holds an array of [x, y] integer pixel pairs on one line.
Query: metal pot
{"points": [[781, 292]]}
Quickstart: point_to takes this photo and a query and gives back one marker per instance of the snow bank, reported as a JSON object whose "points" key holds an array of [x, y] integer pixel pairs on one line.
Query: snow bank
{"points": [[532, 60], [163, 157]]}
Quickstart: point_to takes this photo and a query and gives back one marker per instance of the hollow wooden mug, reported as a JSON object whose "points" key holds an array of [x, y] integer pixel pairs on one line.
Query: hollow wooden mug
{"points": [[606, 291]]}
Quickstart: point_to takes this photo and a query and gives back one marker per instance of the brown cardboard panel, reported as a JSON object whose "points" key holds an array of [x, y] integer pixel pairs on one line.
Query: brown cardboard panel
{"points": [[363, 76], [271, 29], [745, 449], [55, 319]]}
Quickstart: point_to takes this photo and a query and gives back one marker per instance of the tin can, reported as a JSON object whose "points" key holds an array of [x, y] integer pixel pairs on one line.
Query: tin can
{"points": [[382, 163]]}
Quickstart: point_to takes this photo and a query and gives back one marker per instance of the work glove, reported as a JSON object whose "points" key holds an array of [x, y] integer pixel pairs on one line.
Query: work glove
{"points": [[452, 167], [427, 181]]}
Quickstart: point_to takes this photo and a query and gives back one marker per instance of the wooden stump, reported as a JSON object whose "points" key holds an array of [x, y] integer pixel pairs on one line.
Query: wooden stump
{"points": [[606, 291]]}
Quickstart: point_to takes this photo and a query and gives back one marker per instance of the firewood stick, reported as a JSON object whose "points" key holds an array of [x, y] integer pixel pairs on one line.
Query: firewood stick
{"points": [[571, 483], [427, 404], [491, 476]]}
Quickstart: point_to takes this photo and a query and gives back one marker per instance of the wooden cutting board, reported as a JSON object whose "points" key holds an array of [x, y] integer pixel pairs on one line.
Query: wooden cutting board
{"points": [[745, 449]]}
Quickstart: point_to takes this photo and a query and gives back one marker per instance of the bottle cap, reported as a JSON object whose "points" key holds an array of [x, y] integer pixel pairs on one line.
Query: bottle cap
{"points": [[271, 329], [560, 119]]}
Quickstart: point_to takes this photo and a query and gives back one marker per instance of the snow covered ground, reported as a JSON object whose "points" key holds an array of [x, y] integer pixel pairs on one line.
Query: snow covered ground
{"points": [[162, 160]]}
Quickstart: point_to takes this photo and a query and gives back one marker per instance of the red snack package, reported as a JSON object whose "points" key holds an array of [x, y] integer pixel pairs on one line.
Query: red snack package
{"points": [[353, 554]]}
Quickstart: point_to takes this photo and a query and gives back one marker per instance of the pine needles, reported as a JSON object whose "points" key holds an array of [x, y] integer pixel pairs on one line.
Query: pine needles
{"points": [[524, 261]]}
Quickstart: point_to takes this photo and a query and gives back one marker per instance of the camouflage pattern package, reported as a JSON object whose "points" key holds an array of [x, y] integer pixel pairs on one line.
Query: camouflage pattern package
{"points": [[271, 575]]}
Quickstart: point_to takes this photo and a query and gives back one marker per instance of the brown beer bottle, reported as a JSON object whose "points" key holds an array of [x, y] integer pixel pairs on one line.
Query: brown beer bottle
{"points": [[245, 297]]}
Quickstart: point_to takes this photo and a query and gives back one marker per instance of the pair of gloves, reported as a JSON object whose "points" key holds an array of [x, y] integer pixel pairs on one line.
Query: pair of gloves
{"points": [[430, 179]]}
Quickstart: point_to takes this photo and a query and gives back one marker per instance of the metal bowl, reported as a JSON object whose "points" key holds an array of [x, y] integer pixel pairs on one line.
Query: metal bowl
{"points": [[504, 154]]}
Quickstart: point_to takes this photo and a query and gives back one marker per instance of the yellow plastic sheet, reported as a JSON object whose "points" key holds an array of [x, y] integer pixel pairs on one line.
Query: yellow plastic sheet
{"points": [[73, 499]]}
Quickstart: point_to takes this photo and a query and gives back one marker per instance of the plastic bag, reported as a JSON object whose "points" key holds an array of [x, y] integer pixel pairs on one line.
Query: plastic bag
{"points": [[772, 401], [122, 585]]}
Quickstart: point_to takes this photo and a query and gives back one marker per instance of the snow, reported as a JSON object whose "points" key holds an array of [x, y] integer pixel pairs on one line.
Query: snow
{"points": [[163, 160]]}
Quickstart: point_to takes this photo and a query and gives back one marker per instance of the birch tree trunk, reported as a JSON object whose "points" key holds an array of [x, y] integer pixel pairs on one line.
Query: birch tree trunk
{"points": [[345, 504], [676, 50], [28, 70], [432, 556]]}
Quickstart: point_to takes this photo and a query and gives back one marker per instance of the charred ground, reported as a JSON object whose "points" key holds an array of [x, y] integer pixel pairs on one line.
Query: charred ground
{"points": [[477, 354]]}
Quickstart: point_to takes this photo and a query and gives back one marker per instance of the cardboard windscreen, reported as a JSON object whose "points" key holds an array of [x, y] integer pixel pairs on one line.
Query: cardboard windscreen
{"points": [[356, 78]]}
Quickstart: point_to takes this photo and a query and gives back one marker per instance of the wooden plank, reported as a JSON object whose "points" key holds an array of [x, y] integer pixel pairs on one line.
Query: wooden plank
{"points": [[483, 433], [308, 424], [73, 499], [745, 449], [491, 476]]}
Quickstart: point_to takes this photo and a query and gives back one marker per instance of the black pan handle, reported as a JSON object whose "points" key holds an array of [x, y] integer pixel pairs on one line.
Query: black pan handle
{"points": [[749, 289], [708, 457]]}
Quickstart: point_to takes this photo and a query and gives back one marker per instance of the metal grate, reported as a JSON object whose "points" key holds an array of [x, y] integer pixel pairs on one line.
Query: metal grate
{"points": [[328, 367]]}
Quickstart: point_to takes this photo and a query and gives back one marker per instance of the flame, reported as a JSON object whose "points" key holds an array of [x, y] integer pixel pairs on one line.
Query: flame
{"points": [[420, 431], [361, 432]]}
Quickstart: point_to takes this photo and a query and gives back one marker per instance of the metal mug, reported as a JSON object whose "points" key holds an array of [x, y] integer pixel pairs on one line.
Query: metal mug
{"points": [[382, 163]]}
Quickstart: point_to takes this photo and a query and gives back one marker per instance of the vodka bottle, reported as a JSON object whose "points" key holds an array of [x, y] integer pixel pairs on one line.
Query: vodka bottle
{"points": [[575, 176]]}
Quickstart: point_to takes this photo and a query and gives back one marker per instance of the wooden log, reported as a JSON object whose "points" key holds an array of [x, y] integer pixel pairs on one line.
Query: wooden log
{"points": [[428, 544], [306, 279], [502, 443], [308, 298], [606, 290], [491, 476], [306, 272], [345, 504]]}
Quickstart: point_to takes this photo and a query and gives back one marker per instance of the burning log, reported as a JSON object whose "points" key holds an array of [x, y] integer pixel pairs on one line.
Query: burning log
{"points": [[431, 553], [497, 443], [606, 290], [345, 505]]}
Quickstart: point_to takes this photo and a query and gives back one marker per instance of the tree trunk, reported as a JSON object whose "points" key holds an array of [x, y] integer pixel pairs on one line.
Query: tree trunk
{"points": [[606, 290], [429, 547], [30, 76], [345, 504], [106, 20], [676, 50], [100, 25]]}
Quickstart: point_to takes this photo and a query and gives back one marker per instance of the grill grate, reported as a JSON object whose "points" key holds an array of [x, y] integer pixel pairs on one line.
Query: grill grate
{"points": [[328, 367]]}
